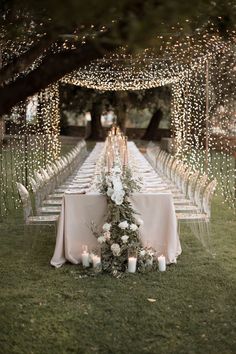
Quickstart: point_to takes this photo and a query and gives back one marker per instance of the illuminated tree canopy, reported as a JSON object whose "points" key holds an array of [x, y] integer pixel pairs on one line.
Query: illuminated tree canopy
{"points": [[43, 41]]}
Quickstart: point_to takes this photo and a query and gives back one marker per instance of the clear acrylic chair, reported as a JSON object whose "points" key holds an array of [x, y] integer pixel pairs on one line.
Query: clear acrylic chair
{"points": [[199, 220], [29, 218]]}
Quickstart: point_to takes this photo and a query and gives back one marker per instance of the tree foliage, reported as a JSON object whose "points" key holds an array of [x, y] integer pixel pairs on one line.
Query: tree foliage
{"points": [[42, 41]]}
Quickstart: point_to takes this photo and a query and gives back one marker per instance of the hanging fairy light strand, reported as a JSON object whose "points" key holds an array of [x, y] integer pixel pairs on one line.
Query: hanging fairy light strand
{"points": [[198, 69], [33, 142], [179, 62]]}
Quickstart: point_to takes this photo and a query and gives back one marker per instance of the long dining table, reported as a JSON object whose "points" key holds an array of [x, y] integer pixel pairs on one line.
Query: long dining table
{"points": [[83, 205]]}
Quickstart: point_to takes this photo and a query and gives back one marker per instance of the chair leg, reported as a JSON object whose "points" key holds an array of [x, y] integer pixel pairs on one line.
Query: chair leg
{"points": [[209, 240]]}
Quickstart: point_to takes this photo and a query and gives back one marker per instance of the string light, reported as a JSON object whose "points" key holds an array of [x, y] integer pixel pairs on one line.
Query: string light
{"points": [[200, 137], [196, 67], [32, 144]]}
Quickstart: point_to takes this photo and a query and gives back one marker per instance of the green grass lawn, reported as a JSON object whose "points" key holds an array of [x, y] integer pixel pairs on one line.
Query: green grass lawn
{"points": [[46, 310]]}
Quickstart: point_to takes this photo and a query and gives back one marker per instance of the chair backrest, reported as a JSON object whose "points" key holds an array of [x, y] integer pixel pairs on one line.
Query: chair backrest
{"points": [[55, 168], [179, 174], [37, 192], [159, 160], [25, 198], [151, 153], [44, 174], [58, 163], [192, 185], [207, 197], [34, 185], [173, 169], [50, 170], [199, 190], [168, 165], [82, 143], [185, 180], [65, 159], [39, 179], [150, 145]]}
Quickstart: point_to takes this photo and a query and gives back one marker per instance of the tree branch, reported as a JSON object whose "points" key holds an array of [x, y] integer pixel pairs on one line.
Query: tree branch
{"points": [[52, 69], [22, 62]]}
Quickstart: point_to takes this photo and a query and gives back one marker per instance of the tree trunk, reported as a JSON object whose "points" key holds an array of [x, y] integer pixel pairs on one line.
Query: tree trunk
{"points": [[121, 110], [151, 131], [2, 130], [97, 132], [121, 117]]}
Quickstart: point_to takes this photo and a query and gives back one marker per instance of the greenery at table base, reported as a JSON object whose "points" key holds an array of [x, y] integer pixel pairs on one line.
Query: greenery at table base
{"points": [[120, 233]]}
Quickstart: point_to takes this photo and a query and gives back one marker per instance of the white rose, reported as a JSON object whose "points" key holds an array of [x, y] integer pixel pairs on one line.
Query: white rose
{"points": [[133, 227], [123, 225], [116, 169], [107, 235], [115, 248], [139, 222], [106, 227], [118, 197], [150, 253], [119, 200], [142, 253], [108, 180], [101, 239], [117, 184], [124, 238], [110, 192]]}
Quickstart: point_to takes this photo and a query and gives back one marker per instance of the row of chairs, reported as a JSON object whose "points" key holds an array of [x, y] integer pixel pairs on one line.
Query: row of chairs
{"points": [[192, 192], [47, 186]]}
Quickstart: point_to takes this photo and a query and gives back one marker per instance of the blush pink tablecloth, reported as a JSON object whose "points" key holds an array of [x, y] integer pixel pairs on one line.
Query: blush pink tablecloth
{"points": [[156, 209], [79, 210]]}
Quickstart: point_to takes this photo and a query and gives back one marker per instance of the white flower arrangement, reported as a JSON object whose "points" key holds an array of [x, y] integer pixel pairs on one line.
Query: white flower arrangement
{"points": [[101, 239], [133, 227], [120, 232], [124, 238], [106, 227], [115, 248], [139, 221], [110, 191], [146, 259], [142, 252], [107, 235], [123, 225], [117, 193]]}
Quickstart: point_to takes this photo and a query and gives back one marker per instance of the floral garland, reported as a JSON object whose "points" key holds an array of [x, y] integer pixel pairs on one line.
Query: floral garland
{"points": [[120, 233]]}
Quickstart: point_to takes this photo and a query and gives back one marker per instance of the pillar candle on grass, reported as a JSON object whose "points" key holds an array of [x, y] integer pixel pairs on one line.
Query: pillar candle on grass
{"points": [[162, 263], [85, 256], [96, 261], [85, 259], [132, 262]]}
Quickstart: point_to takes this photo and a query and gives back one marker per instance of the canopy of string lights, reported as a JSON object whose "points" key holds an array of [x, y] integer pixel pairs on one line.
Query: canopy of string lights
{"points": [[200, 69], [201, 72]]}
